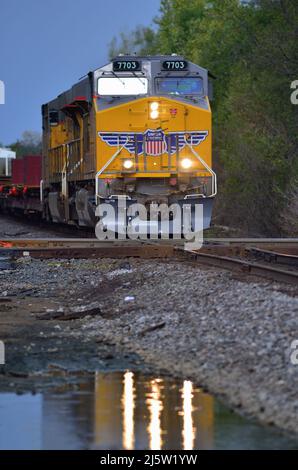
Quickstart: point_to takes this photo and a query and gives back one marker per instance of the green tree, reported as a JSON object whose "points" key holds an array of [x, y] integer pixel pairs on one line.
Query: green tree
{"points": [[29, 144], [141, 41], [256, 121]]}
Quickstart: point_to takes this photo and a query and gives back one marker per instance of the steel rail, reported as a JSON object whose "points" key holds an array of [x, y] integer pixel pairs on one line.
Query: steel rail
{"points": [[214, 255], [212, 242], [243, 266], [83, 248], [274, 256]]}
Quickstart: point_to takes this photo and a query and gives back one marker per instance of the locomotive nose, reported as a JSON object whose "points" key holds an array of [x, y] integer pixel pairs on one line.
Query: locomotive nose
{"points": [[157, 112]]}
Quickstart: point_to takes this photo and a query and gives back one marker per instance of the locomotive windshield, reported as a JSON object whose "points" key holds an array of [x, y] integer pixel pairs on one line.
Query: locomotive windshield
{"points": [[180, 86], [117, 86]]}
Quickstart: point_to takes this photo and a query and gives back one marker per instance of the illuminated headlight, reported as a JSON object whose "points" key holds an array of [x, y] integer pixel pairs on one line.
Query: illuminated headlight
{"points": [[154, 106], [128, 164], [186, 163], [154, 114]]}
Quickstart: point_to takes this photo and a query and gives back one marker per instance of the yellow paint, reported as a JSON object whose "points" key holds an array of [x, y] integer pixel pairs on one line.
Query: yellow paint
{"points": [[58, 135], [134, 117]]}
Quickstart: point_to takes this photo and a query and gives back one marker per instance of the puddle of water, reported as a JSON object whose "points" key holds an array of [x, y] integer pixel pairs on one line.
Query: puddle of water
{"points": [[128, 411]]}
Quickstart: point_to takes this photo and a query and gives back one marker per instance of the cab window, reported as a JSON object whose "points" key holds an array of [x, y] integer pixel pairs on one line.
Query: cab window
{"points": [[114, 86], [180, 86]]}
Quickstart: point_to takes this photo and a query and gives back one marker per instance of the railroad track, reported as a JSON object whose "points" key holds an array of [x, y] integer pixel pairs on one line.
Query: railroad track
{"points": [[84, 248], [248, 256], [245, 267]]}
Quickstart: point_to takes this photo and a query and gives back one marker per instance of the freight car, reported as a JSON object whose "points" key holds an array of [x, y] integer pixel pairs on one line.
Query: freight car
{"points": [[21, 193], [137, 129]]}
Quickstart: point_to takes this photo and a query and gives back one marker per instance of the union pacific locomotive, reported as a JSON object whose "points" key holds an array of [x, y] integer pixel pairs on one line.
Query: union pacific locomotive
{"points": [[139, 129]]}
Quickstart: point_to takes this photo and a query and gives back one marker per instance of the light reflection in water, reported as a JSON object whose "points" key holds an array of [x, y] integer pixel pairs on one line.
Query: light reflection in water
{"points": [[128, 411], [128, 406], [155, 408], [189, 431]]}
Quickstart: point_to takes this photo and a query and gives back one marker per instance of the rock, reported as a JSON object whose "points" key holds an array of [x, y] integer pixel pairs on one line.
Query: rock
{"points": [[152, 328], [125, 265]]}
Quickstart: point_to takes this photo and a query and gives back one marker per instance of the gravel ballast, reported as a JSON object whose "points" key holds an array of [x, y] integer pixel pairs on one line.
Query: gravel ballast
{"points": [[231, 337]]}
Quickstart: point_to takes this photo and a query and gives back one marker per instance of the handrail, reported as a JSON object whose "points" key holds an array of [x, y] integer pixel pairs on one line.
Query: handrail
{"points": [[41, 190], [119, 196], [212, 173], [64, 143], [64, 172], [66, 158], [206, 166], [106, 165], [189, 196]]}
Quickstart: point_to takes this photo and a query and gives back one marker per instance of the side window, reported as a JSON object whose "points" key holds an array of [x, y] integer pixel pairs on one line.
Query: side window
{"points": [[53, 117]]}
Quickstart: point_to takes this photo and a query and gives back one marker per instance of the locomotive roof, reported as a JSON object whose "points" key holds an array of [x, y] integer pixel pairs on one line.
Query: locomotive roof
{"points": [[149, 56], [81, 86]]}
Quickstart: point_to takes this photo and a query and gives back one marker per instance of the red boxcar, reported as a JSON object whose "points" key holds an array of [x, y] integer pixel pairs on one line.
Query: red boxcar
{"points": [[27, 170], [32, 170], [17, 171]]}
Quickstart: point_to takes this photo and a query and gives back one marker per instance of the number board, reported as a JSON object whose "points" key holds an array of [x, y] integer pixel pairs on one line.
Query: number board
{"points": [[174, 65], [126, 65]]}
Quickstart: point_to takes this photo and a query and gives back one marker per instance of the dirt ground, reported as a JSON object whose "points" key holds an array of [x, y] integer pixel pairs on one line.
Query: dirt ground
{"points": [[42, 353]]}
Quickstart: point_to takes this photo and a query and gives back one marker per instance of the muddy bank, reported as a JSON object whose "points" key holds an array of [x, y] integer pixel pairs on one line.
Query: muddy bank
{"points": [[41, 352], [231, 337]]}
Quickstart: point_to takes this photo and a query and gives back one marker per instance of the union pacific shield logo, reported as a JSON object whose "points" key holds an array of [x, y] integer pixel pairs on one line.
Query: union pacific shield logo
{"points": [[153, 142]]}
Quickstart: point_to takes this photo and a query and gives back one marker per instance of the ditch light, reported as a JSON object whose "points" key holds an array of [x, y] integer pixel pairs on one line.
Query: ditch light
{"points": [[128, 164], [186, 163]]}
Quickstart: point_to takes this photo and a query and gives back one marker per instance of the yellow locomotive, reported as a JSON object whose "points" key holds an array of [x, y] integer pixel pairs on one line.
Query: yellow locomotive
{"points": [[138, 128]]}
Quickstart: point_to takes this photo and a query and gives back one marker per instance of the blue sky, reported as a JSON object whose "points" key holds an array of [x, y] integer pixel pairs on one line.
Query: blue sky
{"points": [[47, 45]]}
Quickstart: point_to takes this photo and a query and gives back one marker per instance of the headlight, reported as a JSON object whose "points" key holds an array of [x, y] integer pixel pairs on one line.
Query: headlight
{"points": [[186, 163], [154, 106], [154, 114], [128, 164]]}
